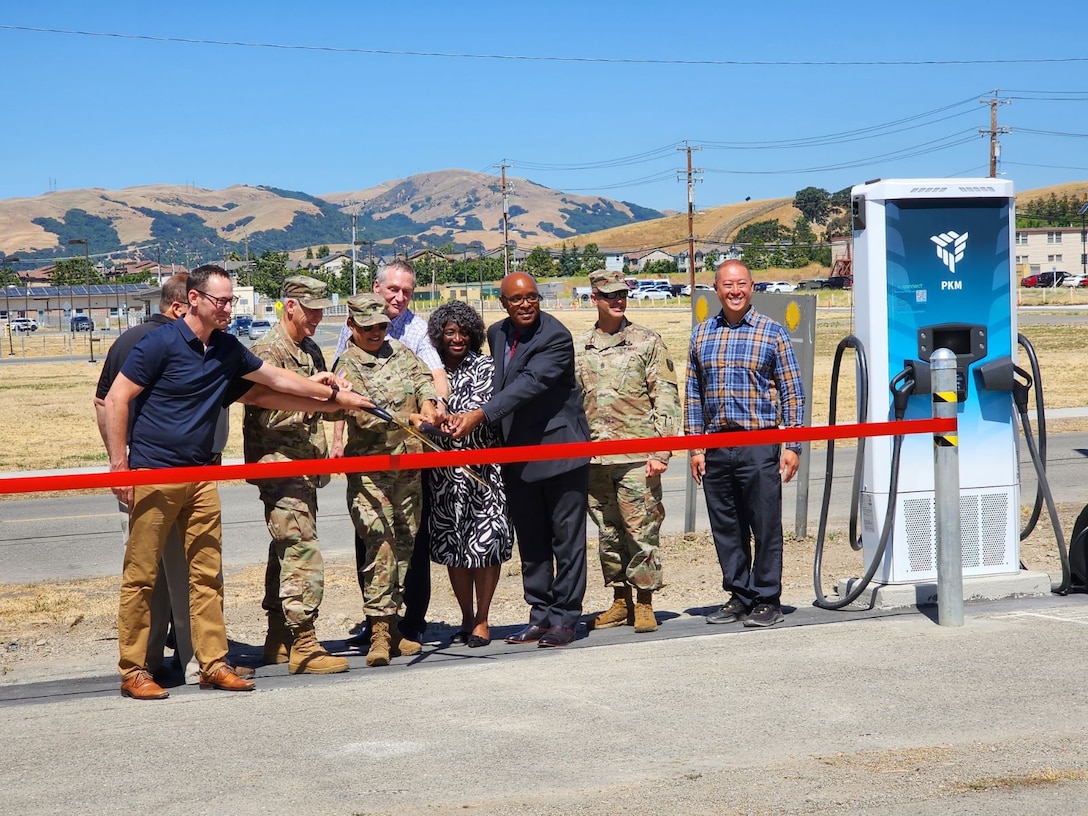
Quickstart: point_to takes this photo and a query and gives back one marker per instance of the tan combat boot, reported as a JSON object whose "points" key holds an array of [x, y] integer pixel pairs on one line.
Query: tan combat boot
{"points": [[378, 655], [308, 656], [621, 613], [644, 612], [399, 644], [277, 643]]}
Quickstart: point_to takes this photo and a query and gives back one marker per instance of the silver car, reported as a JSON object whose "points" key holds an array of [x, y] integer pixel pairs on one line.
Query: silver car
{"points": [[259, 328]]}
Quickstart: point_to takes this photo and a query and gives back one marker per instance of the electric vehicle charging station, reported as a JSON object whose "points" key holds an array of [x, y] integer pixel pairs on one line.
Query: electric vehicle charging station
{"points": [[933, 269]]}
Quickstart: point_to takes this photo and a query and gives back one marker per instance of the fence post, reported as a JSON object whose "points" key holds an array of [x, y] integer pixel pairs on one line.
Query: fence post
{"points": [[946, 483]]}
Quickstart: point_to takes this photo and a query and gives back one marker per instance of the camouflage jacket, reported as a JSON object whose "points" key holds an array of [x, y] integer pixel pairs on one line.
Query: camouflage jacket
{"points": [[396, 380], [279, 436], [628, 383]]}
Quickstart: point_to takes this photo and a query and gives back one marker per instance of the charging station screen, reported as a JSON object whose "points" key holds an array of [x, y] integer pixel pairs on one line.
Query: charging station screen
{"points": [[947, 262]]}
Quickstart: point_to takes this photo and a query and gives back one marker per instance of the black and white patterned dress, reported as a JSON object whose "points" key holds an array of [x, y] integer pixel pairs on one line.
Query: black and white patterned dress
{"points": [[469, 526]]}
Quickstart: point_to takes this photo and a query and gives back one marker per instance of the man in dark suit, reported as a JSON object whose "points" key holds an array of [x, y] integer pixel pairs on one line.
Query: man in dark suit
{"points": [[537, 402]]}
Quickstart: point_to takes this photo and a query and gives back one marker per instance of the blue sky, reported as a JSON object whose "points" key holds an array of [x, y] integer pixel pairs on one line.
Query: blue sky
{"points": [[325, 115]]}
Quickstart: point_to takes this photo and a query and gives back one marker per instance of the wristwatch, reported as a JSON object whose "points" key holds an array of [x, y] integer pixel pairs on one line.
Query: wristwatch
{"points": [[335, 390]]}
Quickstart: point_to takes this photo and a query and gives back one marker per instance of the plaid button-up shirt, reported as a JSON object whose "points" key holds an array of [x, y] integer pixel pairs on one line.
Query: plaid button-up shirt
{"points": [[731, 370]]}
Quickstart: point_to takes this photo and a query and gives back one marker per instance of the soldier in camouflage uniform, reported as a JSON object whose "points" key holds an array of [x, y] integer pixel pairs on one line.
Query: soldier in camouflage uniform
{"points": [[384, 506], [295, 578], [629, 387]]}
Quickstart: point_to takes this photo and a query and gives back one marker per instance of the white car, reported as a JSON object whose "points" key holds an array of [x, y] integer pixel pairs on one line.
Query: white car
{"points": [[259, 328], [651, 293], [780, 286], [699, 287], [1075, 280], [24, 324]]}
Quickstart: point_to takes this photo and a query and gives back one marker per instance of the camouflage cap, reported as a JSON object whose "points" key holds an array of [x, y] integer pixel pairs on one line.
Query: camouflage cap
{"points": [[310, 292], [367, 310], [605, 281]]}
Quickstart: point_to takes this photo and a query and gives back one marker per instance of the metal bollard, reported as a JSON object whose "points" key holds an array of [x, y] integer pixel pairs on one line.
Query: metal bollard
{"points": [[946, 483]]}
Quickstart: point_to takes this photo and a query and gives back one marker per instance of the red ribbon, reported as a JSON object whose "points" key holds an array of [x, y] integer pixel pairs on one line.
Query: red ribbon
{"points": [[484, 456]]}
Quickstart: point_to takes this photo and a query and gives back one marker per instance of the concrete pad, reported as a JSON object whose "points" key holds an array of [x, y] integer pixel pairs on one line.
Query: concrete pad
{"points": [[1023, 584]]}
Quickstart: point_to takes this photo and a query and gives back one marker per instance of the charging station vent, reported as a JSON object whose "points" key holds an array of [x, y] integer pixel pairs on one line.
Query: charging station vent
{"points": [[921, 534], [984, 533]]}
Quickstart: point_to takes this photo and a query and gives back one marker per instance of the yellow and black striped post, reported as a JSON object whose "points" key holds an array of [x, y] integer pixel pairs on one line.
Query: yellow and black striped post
{"points": [[946, 483]]}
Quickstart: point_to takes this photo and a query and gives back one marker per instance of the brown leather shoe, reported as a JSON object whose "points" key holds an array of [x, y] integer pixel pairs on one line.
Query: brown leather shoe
{"points": [[140, 686], [224, 678]]}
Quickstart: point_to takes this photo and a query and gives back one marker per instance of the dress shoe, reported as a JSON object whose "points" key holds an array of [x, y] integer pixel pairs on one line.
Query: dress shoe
{"points": [[476, 641], [245, 672], [557, 636], [530, 634], [225, 679], [140, 686]]}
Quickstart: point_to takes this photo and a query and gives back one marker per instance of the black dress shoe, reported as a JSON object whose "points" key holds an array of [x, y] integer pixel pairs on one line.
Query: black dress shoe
{"points": [[530, 634], [556, 636]]}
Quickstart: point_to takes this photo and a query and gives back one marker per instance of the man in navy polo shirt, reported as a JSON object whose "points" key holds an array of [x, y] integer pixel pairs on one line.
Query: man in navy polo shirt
{"points": [[174, 383]]}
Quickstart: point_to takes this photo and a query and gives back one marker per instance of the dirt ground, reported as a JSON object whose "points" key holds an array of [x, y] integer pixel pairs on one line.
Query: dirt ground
{"points": [[69, 629]]}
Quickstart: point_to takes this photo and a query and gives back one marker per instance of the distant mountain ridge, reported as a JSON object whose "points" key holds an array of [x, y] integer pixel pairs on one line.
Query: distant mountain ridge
{"points": [[456, 207]]}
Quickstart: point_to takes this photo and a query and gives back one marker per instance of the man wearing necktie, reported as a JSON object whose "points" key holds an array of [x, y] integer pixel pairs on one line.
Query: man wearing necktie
{"points": [[537, 402]]}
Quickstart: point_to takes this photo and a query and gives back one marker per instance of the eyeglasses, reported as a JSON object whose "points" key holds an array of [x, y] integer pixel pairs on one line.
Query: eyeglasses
{"points": [[219, 303], [611, 295], [517, 300]]}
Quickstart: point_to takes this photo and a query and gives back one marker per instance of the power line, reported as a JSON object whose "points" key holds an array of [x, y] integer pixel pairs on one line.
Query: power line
{"points": [[538, 57]]}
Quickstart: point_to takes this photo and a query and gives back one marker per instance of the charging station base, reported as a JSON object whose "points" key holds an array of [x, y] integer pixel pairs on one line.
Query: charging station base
{"points": [[1022, 584]]}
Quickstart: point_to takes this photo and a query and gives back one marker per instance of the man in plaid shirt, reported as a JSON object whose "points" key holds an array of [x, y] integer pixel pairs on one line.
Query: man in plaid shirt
{"points": [[735, 358]]}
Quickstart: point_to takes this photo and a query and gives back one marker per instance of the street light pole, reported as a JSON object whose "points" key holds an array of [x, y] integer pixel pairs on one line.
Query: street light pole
{"points": [[87, 261], [1083, 238]]}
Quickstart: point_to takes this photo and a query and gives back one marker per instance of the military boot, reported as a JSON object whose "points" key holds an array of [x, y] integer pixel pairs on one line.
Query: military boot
{"points": [[644, 612], [277, 643], [308, 656], [399, 644], [378, 655], [621, 612]]}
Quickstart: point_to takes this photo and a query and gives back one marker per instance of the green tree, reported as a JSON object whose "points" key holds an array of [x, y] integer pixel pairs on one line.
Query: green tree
{"points": [[592, 259], [74, 272], [269, 270], [660, 268], [539, 263], [814, 203], [766, 232], [756, 255], [323, 251], [309, 254], [711, 260]]}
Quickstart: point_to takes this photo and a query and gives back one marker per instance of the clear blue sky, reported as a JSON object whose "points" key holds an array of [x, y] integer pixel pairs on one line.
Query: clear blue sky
{"points": [[326, 115]]}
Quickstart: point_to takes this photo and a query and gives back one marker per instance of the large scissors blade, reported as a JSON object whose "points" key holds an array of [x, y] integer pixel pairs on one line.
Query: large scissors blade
{"points": [[381, 413]]}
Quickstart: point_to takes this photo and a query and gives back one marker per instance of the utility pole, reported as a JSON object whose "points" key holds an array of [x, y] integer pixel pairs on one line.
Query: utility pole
{"points": [[994, 131], [354, 218], [505, 224], [691, 171]]}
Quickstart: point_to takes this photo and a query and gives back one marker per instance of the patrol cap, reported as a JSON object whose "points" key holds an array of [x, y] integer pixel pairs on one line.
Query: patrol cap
{"points": [[310, 292], [605, 281], [367, 310]]}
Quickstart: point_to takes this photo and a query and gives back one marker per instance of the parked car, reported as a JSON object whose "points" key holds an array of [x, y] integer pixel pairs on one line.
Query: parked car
{"points": [[839, 282], [24, 324], [1044, 279], [777, 286], [259, 328], [240, 325], [1075, 280], [659, 292], [685, 290], [815, 283], [82, 323]]}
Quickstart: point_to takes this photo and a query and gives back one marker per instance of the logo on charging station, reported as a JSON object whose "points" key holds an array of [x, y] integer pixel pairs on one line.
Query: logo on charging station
{"points": [[950, 249]]}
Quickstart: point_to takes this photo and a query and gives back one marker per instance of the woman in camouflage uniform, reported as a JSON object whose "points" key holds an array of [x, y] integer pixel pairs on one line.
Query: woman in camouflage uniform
{"points": [[384, 505]]}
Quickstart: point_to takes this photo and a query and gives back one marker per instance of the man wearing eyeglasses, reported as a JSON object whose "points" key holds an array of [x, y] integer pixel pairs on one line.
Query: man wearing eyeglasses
{"points": [[628, 383], [537, 402], [174, 383]]}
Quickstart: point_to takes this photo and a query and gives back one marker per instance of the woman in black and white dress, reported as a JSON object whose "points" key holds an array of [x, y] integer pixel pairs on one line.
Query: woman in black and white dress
{"points": [[469, 526]]}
